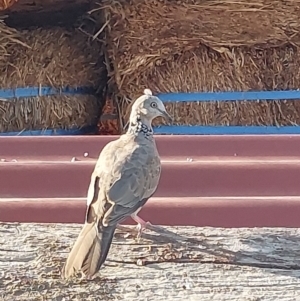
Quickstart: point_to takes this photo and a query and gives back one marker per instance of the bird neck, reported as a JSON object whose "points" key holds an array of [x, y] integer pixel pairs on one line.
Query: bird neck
{"points": [[140, 125]]}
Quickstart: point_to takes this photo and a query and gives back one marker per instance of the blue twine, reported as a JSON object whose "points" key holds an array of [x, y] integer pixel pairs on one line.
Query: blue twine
{"points": [[165, 97], [228, 96], [6, 94], [225, 130]]}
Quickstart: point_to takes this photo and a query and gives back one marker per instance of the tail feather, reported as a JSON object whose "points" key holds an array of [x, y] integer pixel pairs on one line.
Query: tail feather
{"points": [[89, 251], [98, 253]]}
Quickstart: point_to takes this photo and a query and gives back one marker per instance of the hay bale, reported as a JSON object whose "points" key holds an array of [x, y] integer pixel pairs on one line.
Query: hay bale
{"points": [[240, 70], [56, 58], [189, 46], [65, 112], [9, 37], [4, 4]]}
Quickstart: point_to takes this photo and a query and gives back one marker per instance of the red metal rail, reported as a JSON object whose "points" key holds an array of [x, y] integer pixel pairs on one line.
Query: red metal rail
{"points": [[228, 181]]}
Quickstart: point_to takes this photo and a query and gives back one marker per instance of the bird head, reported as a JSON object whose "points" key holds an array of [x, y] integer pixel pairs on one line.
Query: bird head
{"points": [[149, 107]]}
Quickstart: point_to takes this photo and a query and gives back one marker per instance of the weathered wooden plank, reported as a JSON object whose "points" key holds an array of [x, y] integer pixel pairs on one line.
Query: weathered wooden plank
{"points": [[181, 263]]}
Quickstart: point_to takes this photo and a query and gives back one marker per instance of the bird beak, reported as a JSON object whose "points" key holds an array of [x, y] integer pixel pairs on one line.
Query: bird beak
{"points": [[166, 116]]}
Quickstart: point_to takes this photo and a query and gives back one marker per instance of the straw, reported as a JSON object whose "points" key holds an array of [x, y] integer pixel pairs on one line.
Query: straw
{"points": [[190, 46]]}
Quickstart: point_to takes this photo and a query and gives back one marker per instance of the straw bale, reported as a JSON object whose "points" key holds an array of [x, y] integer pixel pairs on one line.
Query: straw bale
{"points": [[9, 37], [49, 112], [142, 33], [189, 46], [238, 70], [4, 4], [55, 57]]}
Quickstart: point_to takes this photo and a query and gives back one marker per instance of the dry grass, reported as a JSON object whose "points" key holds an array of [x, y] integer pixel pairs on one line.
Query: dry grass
{"points": [[198, 45], [48, 112], [50, 57], [9, 38], [4, 4], [241, 70], [55, 57], [143, 33]]}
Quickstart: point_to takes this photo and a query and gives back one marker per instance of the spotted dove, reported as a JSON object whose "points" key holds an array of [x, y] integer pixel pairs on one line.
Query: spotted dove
{"points": [[126, 175]]}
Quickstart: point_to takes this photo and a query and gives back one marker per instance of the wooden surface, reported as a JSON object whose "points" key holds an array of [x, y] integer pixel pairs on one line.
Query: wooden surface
{"points": [[187, 263]]}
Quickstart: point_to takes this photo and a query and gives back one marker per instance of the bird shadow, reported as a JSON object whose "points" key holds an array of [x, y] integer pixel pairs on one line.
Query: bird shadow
{"points": [[274, 252]]}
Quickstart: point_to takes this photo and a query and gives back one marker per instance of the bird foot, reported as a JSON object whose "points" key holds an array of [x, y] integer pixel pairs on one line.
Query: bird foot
{"points": [[142, 226], [147, 225]]}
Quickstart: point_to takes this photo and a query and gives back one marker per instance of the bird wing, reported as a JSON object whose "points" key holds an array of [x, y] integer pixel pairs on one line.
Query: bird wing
{"points": [[137, 180], [128, 174]]}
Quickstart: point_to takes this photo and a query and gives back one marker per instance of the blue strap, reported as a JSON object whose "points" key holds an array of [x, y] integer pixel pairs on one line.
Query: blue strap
{"points": [[225, 130], [165, 97], [227, 96], [6, 94]]}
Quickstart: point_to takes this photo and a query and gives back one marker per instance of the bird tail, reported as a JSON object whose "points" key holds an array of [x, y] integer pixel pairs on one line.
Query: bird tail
{"points": [[89, 251]]}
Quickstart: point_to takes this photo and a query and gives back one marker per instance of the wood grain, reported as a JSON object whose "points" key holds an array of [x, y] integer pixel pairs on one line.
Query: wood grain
{"points": [[181, 263]]}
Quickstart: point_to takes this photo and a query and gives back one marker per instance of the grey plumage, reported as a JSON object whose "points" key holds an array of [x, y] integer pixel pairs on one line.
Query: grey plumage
{"points": [[126, 175]]}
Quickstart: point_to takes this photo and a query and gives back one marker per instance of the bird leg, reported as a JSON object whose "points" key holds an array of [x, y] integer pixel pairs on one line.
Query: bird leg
{"points": [[141, 224]]}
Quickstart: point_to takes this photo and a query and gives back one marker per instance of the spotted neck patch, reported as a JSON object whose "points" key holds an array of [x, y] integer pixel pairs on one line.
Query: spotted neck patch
{"points": [[138, 127]]}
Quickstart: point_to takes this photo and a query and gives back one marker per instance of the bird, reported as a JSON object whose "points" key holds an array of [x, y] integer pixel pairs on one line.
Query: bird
{"points": [[125, 176]]}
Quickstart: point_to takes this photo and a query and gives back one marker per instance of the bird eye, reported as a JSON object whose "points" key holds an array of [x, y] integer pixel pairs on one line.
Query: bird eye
{"points": [[153, 104]]}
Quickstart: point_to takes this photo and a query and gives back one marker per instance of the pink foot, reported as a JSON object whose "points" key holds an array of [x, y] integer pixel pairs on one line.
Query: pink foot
{"points": [[141, 224]]}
